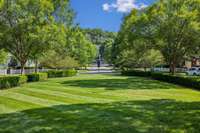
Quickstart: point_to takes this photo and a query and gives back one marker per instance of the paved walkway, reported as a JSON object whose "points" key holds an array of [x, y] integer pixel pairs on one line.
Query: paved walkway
{"points": [[95, 70]]}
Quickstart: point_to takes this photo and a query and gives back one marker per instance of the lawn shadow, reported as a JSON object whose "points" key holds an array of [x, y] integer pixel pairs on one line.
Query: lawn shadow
{"points": [[119, 84], [152, 116]]}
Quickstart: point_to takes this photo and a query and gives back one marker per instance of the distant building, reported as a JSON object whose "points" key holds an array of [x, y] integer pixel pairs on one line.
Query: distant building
{"points": [[194, 62]]}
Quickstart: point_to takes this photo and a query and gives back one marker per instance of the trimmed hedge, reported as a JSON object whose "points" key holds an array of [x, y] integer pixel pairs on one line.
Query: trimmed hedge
{"points": [[12, 81], [70, 73], [37, 77], [65, 73], [192, 82], [54, 74]]}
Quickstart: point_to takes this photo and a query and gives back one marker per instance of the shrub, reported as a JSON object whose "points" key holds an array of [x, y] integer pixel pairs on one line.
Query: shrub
{"points": [[193, 82], [37, 77], [54, 74], [69, 73], [136, 73], [65, 73], [12, 81], [22, 79]]}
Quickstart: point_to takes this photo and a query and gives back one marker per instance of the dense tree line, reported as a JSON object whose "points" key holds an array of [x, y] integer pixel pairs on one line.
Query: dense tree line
{"points": [[42, 31], [167, 31], [103, 40]]}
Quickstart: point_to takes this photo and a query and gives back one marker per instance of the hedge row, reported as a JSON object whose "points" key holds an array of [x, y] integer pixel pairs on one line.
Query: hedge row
{"points": [[37, 77], [66, 73], [193, 82], [13, 81]]}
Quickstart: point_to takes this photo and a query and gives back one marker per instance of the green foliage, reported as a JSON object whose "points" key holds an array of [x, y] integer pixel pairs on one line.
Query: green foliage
{"points": [[136, 59], [151, 58], [12, 81], [29, 27], [32, 29], [98, 36], [170, 26], [80, 48], [19, 26], [37, 77], [22, 79], [132, 47], [72, 49], [3, 56], [56, 61], [55, 74], [69, 73], [64, 73], [103, 40], [63, 13], [177, 27], [106, 51], [192, 82]]}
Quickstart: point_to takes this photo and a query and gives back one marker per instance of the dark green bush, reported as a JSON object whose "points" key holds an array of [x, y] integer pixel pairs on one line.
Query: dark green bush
{"points": [[12, 81], [193, 82], [65, 73], [37, 77], [54, 74], [136, 73]]}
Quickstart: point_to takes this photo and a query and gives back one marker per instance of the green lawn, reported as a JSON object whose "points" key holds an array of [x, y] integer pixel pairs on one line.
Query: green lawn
{"points": [[100, 104]]}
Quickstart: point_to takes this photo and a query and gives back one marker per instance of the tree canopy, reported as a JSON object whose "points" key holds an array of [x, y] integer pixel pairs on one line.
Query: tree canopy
{"points": [[3, 57], [171, 27], [29, 29], [103, 40], [25, 26]]}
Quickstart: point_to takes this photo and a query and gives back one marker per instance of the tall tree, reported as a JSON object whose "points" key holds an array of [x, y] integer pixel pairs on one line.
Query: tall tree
{"points": [[132, 47], [28, 26], [71, 45], [172, 27], [178, 28], [102, 39], [80, 47]]}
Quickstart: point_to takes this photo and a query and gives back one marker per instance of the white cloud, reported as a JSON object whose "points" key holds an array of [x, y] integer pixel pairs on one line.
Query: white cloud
{"points": [[106, 7], [123, 6]]}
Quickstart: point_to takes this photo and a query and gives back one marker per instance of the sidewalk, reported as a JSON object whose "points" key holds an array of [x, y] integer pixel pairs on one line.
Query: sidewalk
{"points": [[96, 70]]}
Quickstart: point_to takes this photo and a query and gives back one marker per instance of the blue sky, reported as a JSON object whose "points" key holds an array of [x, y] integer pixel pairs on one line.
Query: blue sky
{"points": [[105, 14]]}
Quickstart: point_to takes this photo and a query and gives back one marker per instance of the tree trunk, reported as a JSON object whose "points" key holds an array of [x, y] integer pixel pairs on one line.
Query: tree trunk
{"points": [[36, 66], [172, 67], [22, 69], [22, 63]]}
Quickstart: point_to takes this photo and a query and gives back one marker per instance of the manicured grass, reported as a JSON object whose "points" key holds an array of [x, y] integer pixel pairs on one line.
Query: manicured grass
{"points": [[100, 104]]}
